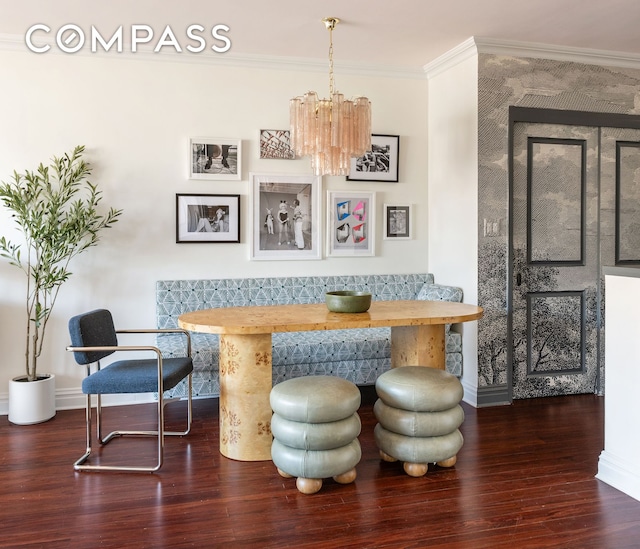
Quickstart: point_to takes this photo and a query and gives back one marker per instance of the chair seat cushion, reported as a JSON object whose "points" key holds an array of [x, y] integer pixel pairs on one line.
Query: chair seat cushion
{"points": [[418, 424], [315, 436], [419, 388], [418, 449], [316, 463], [137, 376], [315, 399]]}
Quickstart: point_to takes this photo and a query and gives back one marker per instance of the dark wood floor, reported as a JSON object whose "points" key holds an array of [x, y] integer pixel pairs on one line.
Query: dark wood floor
{"points": [[524, 479]]}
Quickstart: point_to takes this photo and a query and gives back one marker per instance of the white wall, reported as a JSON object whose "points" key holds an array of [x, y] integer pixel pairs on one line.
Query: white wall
{"points": [[135, 116], [619, 463], [453, 194]]}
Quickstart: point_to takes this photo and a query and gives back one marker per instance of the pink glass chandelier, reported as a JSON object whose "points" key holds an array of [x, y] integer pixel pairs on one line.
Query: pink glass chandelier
{"points": [[330, 131]]}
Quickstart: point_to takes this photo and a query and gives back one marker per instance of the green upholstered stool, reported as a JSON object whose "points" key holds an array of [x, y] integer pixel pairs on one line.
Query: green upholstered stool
{"points": [[418, 412], [315, 429]]}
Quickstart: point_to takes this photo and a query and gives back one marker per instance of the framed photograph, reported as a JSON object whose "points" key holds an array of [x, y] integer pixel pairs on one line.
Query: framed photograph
{"points": [[215, 158], [207, 218], [378, 164], [397, 222], [351, 223], [286, 216], [276, 144]]}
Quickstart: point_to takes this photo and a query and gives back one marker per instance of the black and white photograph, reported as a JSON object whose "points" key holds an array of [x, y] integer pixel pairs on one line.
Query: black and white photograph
{"points": [[397, 222], [215, 158], [285, 217], [378, 164], [351, 225], [276, 144], [207, 218]]}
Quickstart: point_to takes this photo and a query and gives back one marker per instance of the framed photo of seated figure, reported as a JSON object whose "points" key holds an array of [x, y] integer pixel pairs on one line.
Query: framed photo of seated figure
{"points": [[207, 218], [351, 223]]}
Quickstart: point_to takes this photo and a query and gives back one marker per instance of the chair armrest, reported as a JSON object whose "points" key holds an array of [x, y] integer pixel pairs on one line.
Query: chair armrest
{"points": [[116, 348], [160, 331]]}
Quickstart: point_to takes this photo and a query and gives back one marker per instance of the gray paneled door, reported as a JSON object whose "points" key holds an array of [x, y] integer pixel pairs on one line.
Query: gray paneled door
{"points": [[576, 206]]}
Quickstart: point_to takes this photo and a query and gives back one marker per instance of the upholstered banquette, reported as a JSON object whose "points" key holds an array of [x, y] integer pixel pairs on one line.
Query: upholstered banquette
{"points": [[359, 355]]}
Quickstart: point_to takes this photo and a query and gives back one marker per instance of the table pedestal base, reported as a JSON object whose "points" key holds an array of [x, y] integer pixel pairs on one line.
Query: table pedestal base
{"points": [[245, 384], [418, 346]]}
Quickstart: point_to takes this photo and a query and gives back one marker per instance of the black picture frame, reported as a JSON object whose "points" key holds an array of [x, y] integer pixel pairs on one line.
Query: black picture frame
{"points": [[380, 163], [207, 218]]}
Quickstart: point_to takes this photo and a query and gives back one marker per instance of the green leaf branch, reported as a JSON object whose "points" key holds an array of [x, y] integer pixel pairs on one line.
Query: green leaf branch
{"points": [[56, 209]]}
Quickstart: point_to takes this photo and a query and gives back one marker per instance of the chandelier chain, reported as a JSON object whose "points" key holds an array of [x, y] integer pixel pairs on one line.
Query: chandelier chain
{"points": [[331, 79]]}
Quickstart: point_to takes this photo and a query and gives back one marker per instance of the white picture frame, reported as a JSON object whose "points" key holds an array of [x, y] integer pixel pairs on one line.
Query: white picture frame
{"points": [[351, 223], [215, 158], [294, 236]]}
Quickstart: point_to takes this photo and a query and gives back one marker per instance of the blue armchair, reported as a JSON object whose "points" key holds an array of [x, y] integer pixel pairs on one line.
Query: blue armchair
{"points": [[94, 337]]}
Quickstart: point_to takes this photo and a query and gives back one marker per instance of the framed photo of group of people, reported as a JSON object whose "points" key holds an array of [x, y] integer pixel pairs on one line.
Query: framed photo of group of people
{"points": [[286, 217]]}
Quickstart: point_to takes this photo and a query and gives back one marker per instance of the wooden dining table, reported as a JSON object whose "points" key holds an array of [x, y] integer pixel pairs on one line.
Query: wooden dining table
{"points": [[417, 338]]}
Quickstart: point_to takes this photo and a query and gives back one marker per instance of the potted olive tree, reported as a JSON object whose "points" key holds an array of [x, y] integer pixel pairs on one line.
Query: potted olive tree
{"points": [[56, 209]]}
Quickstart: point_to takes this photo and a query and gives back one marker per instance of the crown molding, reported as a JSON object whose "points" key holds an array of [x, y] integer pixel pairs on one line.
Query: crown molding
{"points": [[450, 59], [15, 43], [559, 53], [476, 45]]}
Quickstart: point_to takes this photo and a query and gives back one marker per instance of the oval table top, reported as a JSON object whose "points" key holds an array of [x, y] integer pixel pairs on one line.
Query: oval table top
{"points": [[263, 319]]}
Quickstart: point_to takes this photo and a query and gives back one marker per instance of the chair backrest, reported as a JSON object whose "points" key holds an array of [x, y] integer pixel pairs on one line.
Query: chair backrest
{"points": [[92, 329]]}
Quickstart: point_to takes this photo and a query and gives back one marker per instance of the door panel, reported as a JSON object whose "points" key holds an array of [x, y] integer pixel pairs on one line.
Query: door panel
{"points": [[556, 260], [621, 187], [576, 207]]}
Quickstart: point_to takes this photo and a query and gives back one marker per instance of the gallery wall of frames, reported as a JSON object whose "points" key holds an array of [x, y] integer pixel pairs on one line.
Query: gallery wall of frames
{"points": [[286, 221]]}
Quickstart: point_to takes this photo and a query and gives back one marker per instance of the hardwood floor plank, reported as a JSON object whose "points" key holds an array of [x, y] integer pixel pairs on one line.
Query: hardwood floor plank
{"points": [[524, 478]]}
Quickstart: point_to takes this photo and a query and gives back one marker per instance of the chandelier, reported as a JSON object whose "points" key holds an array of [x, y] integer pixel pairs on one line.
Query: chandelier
{"points": [[330, 131]]}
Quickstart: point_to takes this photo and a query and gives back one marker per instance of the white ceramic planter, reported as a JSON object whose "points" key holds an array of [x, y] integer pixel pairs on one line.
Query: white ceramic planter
{"points": [[32, 401]]}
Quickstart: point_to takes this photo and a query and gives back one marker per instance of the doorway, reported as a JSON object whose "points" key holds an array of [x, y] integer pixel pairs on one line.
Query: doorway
{"points": [[574, 207]]}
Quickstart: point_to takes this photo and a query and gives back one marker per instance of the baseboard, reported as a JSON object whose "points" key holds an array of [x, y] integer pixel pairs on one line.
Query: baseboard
{"points": [[619, 473], [494, 395], [73, 399], [470, 395]]}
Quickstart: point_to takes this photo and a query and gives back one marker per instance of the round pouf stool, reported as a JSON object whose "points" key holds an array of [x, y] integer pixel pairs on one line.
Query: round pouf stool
{"points": [[418, 412], [315, 429]]}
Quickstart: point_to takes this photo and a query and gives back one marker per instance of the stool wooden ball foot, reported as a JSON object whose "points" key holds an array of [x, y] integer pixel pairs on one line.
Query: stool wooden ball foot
{"points": [[284, 474], [308, 485], [346, 478], [415, 469], [448, 462]]}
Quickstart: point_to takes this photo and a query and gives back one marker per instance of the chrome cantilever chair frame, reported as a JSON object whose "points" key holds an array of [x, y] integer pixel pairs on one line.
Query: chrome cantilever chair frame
{"points": [[160, 433]]}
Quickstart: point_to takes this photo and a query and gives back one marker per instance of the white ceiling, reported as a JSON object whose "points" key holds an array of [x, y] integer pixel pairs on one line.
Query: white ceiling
{"points": [[404, 33]]}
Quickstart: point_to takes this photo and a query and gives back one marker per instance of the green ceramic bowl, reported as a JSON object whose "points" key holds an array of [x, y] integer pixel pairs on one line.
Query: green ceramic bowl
{"points": [[346, 301]]}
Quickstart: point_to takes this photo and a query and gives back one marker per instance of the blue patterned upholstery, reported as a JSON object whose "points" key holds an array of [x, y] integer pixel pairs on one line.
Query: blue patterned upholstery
{"points": [[359, 356]]}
